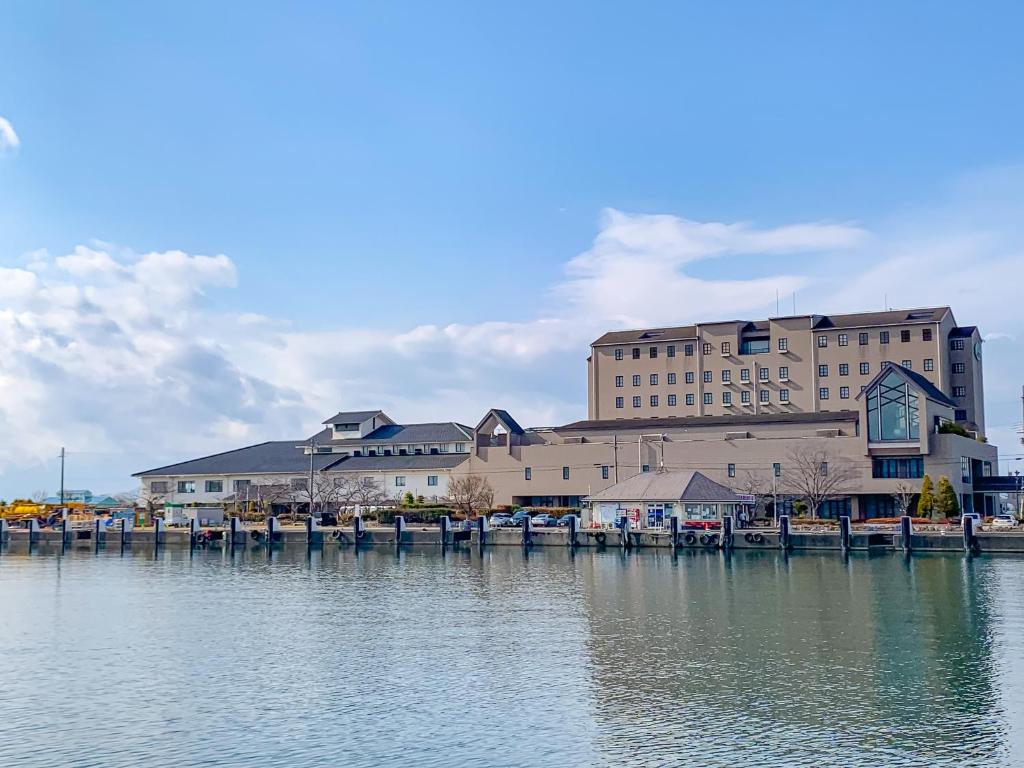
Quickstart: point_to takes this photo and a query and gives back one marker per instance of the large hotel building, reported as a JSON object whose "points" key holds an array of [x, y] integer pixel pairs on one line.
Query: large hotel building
{"points": [[887, 396]]}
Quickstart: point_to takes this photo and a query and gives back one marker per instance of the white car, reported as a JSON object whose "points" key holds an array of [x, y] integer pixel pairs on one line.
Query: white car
{"points": [[1004, 521]]}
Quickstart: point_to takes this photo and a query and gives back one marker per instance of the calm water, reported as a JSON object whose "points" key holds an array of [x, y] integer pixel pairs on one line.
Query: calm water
{"points": [[503, 660]]}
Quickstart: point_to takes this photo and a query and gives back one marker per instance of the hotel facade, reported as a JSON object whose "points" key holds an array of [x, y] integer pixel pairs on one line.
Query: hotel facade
{"points": [[884, 397]]}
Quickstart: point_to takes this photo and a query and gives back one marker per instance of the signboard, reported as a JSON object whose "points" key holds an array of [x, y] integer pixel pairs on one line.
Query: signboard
{"points": [[746, 498]]}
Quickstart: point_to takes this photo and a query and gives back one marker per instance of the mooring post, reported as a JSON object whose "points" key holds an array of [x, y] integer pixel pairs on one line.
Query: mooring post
{"points": [[445, 525], [96, 535], [33, 532], [4, 531], [124, 529], [311, 527], [193, 531], [906, 529], [63, 533], [158, 523], [481, 530], [844, 533], [970, 542], [573, 529], [625, 542], [273, 530], [784, 532], [673, 527], [399, 529], [234, 529], [727, 532], [527, 531]]}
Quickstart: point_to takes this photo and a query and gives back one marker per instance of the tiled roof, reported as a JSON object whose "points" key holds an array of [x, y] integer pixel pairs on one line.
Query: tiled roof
{"points": [[396, 463], [432, 432], [889, 317], [270, 457], [647, 335], [738, 420], [505, 418], [351, 417], [666, 486]]}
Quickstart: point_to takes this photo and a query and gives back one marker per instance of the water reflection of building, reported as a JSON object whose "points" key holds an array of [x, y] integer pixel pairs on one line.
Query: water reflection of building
{"points": [[812, 655]]}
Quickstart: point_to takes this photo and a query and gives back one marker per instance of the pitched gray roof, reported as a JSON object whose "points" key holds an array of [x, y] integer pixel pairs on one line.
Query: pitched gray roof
{"points": [[927, 388], [666, 486], [397, 463], [276, 456], [888, 317], [432, 432], [963, 332], [647, 335], [351, 417]]}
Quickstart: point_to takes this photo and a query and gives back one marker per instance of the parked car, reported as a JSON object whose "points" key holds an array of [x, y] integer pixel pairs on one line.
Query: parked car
{"points": [[544, 520], [563, 521], [517, 516], [500, 520], [1003, 521]]}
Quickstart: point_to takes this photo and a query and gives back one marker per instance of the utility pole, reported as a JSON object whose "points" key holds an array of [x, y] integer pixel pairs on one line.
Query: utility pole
{"points": [[62, 478], [615, 451]]}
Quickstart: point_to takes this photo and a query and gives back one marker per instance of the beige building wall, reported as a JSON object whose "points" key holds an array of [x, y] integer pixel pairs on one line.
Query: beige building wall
{"points": [[812, 363]]}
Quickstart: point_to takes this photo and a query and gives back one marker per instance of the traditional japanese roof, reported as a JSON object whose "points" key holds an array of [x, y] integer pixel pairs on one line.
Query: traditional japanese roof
{"points": [[270, 457], [352, 417], [667, 486]]}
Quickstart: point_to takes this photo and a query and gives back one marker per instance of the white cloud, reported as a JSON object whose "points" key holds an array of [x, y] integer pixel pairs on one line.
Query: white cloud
{"points": [[126, 354], [8, 138]]}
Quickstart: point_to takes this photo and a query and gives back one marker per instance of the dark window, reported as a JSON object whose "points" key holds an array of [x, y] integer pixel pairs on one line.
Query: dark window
{"points": [[654, 352], [604, 472], [762, 374], [654, 379], [883, 337], [619, 402], [823, 341], [844, 393], [745, 374], [755, 346], [745, 396], [636, 353], [777, 469], [636, 379], [959, 391], [959, 368], [708, 398], [240, 485], [214, 486], [843, 339], [960, 414], [732, 470], [727, 398], [688, 350], [726, 348], [956, 344], [431, 480], [904, 335], [671, 378], [844, 369], [689, 399], [726, 377], [862, 339], [783, 395], [823, 393], [709, 376], [654, 401], [765, 396], [865, 368], [689, 377], [783, 344], [926, 334], [636, 401], [528, 473], [618, 354], [706, 348], [565, 473], [671, 399], [898, 467], [670, 350], [822, 371], [618, 381]]}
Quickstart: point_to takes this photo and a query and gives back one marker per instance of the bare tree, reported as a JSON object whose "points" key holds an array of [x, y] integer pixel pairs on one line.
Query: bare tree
{"points": [[903, 496], [150, 495], [816, 475], [470, 494], [759, 486], [39, 496]]}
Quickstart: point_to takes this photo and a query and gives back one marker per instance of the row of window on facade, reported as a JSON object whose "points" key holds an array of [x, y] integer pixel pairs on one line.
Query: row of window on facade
{"points": [[239, 486], [764, 397], [761, 346], [764, 374]]}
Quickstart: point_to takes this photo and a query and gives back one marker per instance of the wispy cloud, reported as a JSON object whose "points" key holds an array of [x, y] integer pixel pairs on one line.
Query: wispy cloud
{"points": [[8, 138]]}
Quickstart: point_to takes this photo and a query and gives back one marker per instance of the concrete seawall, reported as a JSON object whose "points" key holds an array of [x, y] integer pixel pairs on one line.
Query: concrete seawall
{"points": [[428, 536]]}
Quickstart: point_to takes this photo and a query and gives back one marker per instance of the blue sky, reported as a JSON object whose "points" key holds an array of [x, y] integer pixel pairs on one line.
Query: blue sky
{"points": [[370, 170]]}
